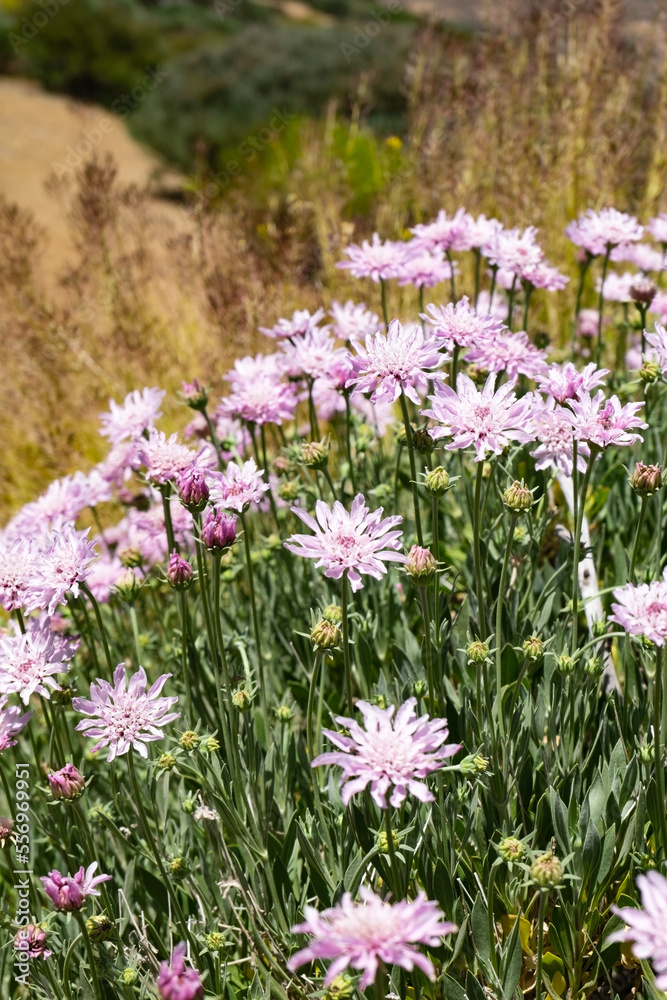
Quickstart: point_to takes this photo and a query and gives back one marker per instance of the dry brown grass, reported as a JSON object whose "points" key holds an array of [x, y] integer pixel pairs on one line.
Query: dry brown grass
{"points": [[552, 112]]}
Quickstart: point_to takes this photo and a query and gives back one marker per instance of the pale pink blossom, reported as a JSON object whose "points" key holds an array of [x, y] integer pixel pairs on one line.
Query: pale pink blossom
{"points": [[314, 355], [459, 325], [566, 381], [587, 323], [128, 420], [361, 935], [261, 401], [551, 428], [647, 928], [29, 662], [495, 307], [658, 306], [358, 542], [353, 321], [68, 893], [424, 270], [401, 361], [12, 722], [603, 422], [18, 565], [512, 353], [388, 753], [514, 250], [62, 569], [481, 231], [543, 275], [378, 260], [658, 341], [249, 369], [644, 257], [616, 286], [642, 609], [301, 323], [125, 714], [597, 232], [238, 487], [658, 227], [446, 233], [164, 458], [104, 574], [486, 420]]}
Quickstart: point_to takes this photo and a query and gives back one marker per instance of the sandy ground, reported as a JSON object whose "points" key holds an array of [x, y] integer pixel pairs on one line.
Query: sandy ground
{"points": [[42, 134]]}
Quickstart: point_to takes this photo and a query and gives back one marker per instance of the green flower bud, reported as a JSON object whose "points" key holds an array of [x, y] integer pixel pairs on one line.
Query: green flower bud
{"points": [[422, 441], [315, 454], [210, 745], [474, 764], [646, 754], [546, 871], [289, 490], [533, 647], [179, 868], [649, 372], [166, 762], [518, 497], [127, 586], [565, 665], [241, 699], [64, 696], [129, 976], [477, 651], [284, 714], [341, 988], [131, 558], [215, 941], [646, 479], [100, 927], [189, 740], [420, 689], [510, 850], [325, 635], [333, 613], [599, 628], [436, 482], [189, 804], [593, 667], [421, 565], [382, 841], [380, 700]]}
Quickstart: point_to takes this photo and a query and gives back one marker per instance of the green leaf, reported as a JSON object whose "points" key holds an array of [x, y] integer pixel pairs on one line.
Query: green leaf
{"points": [[480, 928], [511, 962]]}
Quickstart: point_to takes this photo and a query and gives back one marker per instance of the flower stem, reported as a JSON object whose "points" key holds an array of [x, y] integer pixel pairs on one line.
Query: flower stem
{"points": [[214, 437], [477, 509], [577, 548], [436, 579], [91, 955], [478, 271], [380, 976], [452, 278], [346, 647], [413, 468], [583, 269], [428, 652], [185, 665], [605, 264], [393, 860], [498, 708], [540, 944], [383, 298], [658, 733], [168, 524], [310, 736], [100, 624], [255, 620], [348, 438], [638, 532]]}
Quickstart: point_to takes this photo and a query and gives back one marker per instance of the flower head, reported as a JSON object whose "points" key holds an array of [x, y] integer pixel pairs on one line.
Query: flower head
{"points": [[604, 422], [616, 287], [455, 232], [353, 321], [360, 935], [377, 260], [165, 458], [509, 352], [642, 610], [261, 400], [425, 270], [128, 420], [126, 714], [647, 928], [551, 427], [460, 325], [176, 981], [389, 753], [67, 783], [68, 893], [28, 663], [239, 486], [218, 531], [487, 420], [301, 324], [358, 542], [61, 569], [11, 723], [514, 251], [18, 562], [596, 232], [658, 341], [565, 381], [402, 360], [314, 355]]}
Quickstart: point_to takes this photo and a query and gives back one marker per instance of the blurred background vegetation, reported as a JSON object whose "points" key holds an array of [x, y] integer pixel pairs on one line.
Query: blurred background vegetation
{"points": [[532, 111]]}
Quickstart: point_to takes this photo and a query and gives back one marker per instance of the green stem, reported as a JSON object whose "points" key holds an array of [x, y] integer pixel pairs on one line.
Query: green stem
{"points": [[455, 367], [605, 264], [638, 532], [380, 977], [255, 620], [510, 303], [226, 718], [421, 306], [493, 285], [428, 652], [541, 909], [348, 438], [214, 437], [310, 736], [185, 666], [436, 579], [498, 708], [413, 468], [91, 955], [383, 298], [478, 271], [100, 624], [346, 647], [527, 294], [168, 524], [452, 279], [135, 634], [577, 548], [583, 269], [393, 860], [477, 508], [659, 729]]}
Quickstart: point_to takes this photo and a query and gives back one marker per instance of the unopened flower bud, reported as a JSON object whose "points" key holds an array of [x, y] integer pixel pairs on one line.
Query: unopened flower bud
{"points": [[179, 868], [179, 572], [474, 763], [510, 849], [646, 479], [127, 586], [518, 497], [533, 647], [593, 667], [546, 871], [382, 841], [189, 740], [64, 696], [565, 665], [420, 688], [642, 290], [215, 941], [166, 762], [380, 700], [210, 745], [650, 371], [30, 942], [542, 340], [646, 754], [315, 454], [67, 783], [129, 976], [421, 565], [131, 558], [241, 699], [195, 395], [437, 481], [477, 651], [189, 804], [599, 628], [284, 714], [289, 490], [422, 441], [325, 634], [333, 613], [341, 988], [281, 465], [218, 531], [100, 927], [193, 491]]}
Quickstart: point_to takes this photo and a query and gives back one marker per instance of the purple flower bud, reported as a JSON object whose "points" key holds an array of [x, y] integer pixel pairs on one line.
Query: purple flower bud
{"points": [[179, 572], [193, 490], [67, 783], [195, 395], [30, 942], [218, 530], [175, 981], [68, 893]]}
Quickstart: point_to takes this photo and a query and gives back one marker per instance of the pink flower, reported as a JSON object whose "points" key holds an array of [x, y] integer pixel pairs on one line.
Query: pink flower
{"points": [[301, 323], [28, 663], [616, 286], [12, 722], [481, 231], [18, 564], [378, 260], [261, 400], [130, 419], [460, 325], [30, 943], [69, 893], [587, 323], [565, 381], [489, 421], [642, 610], [659, 306], [218, 530], [545, 276], [658, 228], [388, 754], [125, 715], [514, 251], [313, 355], [360, 935], [67, 783], [165, 458], [597, 232], [357, 543], [604, 422], [239, 486], [551, 427], [509, 352], [647, 928], [61, 569], [445, 233], [402, 360], [643, 256], [424, 270], [176, 981], [353, 321], [658, 341]]}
